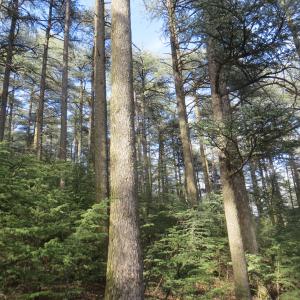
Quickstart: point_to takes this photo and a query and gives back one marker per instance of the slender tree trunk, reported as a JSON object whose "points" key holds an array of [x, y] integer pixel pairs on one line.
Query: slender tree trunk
{"points": [[124, 264], [203, 159], [29, 124], [296, 178], [220, 109], [65, 76], [190, 178], [161, 164], [255, 187], [289, 186], [80, 119], [92, 116], [146, 160], [278, 206], [8, 66], [10, 116], [266, 187], [100, 106], [38, 137]]}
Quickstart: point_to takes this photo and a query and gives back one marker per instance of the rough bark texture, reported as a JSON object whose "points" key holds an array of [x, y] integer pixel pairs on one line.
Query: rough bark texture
{"points": [[248, 227], [190, 178], [64, 95], [100, 106], [38, 137], [220, 109], [124, 265], [8, 66]]}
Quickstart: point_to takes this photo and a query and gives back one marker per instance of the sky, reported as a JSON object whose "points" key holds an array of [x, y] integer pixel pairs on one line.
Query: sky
{"points": [[146, 34]]}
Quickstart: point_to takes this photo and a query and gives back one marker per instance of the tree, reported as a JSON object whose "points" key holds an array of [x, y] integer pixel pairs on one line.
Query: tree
{"points": [[65, 77], [13, 12], [220, 106], [190, 178], [38, 137], [124, 264], [100, 106]]}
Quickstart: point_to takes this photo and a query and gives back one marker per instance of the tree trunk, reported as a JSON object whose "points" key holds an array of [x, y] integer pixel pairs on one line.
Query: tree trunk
{"points": [[190, 178], [38, 137], [100, 106], [146, 159], [220, 109], [8, 66], [278, 206], [124, 264], [80, 117], [265, 180], [203, 159], [255, 187], [64, 96], [92, 116], [10, 116], [29, 124], [296, 179]]}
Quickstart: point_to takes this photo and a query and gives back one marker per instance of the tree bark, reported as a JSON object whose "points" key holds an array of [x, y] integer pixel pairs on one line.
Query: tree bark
{"points": [[10, 116], [29, 124], [220, 109], [92, 116], [80, 119], [255, 188], [8, 66], [38, 137], [190, 178], [65, 76], [100, 106], [124, 264], [203, 159], [278, 206], [296, 178]]}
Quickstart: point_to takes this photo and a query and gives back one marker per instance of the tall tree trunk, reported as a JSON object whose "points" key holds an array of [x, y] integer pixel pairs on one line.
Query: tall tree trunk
{"points": [[100, 106], [255, 188], [220, 109], [64, 95], [29, 124], [146, 159], [276, 194], [80, 119], [190, 178], [124, 264], [162, 176], [8, 65], [92, 115], [248, 226], [296, 178], [265, 181], [10, 116], [203, 159], [38, 137]]}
